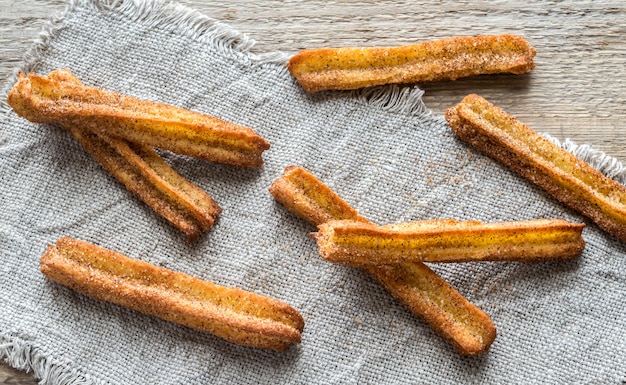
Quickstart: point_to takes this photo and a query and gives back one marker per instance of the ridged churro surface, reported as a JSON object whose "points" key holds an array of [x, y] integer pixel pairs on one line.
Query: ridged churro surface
{"points": [[567, 178], [429, 297], [235, 315], [357, 243], [424, 293], [49, 100], [445, 59]]}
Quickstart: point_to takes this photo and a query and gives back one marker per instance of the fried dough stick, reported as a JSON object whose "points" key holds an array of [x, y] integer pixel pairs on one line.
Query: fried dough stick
{"points": [[356, 243], [235, 315], [425, 294], [146, 175], [568, 179], [46, 100], [310, 199], [446, 59]]}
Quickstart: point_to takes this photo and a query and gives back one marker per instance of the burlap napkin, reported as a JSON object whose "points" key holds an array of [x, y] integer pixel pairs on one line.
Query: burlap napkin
{"points": [[381, 150]]}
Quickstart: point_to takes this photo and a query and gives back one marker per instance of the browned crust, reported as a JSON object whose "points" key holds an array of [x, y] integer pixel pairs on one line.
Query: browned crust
{"points": [[49, 100], [424, 293], [568, 179], [445, 59], [356, 243], [238, 316]]}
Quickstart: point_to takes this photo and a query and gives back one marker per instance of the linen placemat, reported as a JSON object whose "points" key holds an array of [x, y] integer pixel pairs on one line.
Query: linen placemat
{"points": [[380, 149]]}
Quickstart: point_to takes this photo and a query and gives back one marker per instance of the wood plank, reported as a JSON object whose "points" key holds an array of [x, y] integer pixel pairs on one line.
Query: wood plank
{"points": [[576, 91], [10, 376]]}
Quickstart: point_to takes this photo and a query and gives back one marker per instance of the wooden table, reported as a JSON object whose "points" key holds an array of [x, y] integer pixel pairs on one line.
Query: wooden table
{"points": [[577, 91]]}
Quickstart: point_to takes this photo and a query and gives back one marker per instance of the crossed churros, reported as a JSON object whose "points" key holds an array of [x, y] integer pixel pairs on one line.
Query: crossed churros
{"points": [[48, 100], [238, 316], [119, 132], [356, 243], [567, 178], [445, 59], [429, 297]]}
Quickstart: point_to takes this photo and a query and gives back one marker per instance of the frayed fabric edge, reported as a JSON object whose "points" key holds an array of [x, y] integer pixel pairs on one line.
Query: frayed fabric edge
{"points": [[162, 14], [50, 30], [177, 18], [23, 355], [396, 99]]}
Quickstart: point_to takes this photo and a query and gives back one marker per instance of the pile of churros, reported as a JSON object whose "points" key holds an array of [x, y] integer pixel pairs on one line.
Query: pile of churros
{"points": [[120, 132]]}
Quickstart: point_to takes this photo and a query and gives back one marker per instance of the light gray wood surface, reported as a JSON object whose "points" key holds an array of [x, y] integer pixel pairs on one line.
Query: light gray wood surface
{"points": [[577, 91]]}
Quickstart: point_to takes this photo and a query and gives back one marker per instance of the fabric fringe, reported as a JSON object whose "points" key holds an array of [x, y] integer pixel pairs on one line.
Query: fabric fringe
{"points": [[171, 16], [23, 355], [402, 100], [177, 18], [50, 30]]}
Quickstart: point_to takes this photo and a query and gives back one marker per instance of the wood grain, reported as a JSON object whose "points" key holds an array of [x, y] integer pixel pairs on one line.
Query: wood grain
{"points": [[10, 376], [577, 91]]}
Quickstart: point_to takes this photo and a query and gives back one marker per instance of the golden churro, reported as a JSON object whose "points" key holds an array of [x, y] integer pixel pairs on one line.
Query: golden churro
{"points": [[49, 100], [145, 174], [424, 293], [429, 297], [235, 315], [568, 179], [446, 59], [310, 199], [356, 243]]}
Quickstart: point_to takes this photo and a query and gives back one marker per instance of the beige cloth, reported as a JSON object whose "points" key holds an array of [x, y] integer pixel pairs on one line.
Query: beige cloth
{"points": [[379, 149]]}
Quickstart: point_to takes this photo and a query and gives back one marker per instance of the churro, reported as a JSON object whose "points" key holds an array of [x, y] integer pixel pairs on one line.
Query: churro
{"points": [[424, 293], [152, 180], [445, 59], [145, 174], [356, 243], [49, 100], [238, 316], [568, 179], [310, 199]]}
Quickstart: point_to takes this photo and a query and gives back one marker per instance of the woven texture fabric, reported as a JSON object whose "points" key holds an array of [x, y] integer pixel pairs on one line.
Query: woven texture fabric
{"points": [[380, 150]]}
